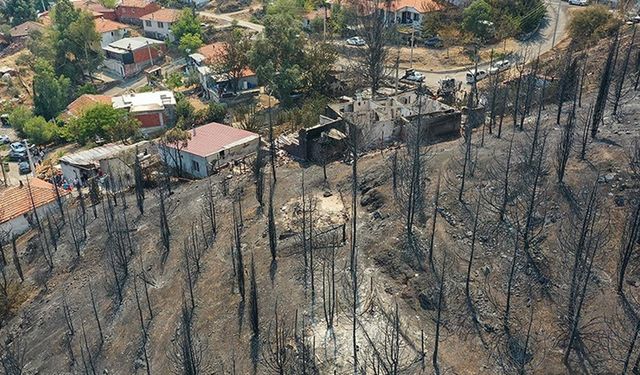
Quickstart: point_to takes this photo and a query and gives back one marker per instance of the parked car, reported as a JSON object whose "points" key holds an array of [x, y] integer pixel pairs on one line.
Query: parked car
{"points": [[413, 76], [475, 76], [356, 41], [634, 19], [17, 155], [18, 147], [500, 66], [24, 167], [5, 139], [579, 2], [434, 42]]}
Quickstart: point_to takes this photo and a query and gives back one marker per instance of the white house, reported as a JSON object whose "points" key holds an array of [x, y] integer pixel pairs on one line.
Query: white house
{"points": [[155, 110], [409, 11], [157, 25], [211, 146], [110, 31], [17, 203]]}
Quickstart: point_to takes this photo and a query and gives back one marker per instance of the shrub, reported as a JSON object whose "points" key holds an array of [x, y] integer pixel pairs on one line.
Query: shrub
{"points": [[41, 131], [591, 24], [19, 117]]}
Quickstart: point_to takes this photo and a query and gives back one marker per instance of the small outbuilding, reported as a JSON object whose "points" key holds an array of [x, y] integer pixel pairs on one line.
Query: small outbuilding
{"points": [[211, 147]]}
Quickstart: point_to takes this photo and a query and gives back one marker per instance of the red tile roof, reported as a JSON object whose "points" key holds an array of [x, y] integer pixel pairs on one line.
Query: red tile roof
{"points": [[24, 29], [214, 52], [163, 15], [422, 6], [84, 102], [105, 26], [15, 200], [134, 3], [214, 137]]}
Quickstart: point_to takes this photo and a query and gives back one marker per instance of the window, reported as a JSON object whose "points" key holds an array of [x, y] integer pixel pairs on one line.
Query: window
{"points": [[195, 166], [160, 25], [222, 154], [147, 23], [112, 33]]}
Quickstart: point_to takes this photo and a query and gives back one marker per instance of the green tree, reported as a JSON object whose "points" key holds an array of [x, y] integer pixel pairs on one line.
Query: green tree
{"points": [[103, 121], [77, 43], [235, 59], [188, 23], [278, 56], [214, 112], [189, 43], [41, 131], [19, 117], [185, 112], [50, 92], [478, 11], [19, 11], [591, 24], [319, 58]]}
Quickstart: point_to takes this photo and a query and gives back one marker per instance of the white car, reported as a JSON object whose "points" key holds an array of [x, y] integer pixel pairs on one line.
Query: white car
{"points": [[412, 75], [579, 2], [475, 76], [499, 66], [18, 147], [356, 41], [5, 139]]}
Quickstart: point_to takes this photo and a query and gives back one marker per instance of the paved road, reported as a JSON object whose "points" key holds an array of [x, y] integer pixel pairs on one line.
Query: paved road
{"points": [[543, 41], [135, 83]]}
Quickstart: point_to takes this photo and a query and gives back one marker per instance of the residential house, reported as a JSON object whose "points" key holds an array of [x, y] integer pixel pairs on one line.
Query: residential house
{"points": [[17, 204], [155, 110], [114, 161], [24, 30], [211, 147], [129, 56], [215, 84], [131, 11], [96, 8], [409, 11], [158, 24], [84, 102], [318, 14], [110, 31]]}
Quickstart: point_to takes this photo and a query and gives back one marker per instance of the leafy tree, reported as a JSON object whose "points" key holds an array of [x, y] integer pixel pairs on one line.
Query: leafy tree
{"points": [[174, 80], [19, 11], [50, 92], [319, 58], [289, 8], [278, 56], [235, 59], [593, 23], [103, 121], [76, 40], [185, 112], [215, 112], [41, 131], [189, 43], [478, 11], [187, 24], [19, 117]]}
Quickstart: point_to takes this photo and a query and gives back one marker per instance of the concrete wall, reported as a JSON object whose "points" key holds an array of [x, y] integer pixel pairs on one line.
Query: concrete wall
{"points": [[153, 29], [111, 36], [20, 224]]}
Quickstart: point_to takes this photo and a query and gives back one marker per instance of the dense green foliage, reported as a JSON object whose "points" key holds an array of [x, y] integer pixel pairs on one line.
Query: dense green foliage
{"points": [[19, 116], [188, 23], [51, 91], [189, 43], [19, 11], [41, 131], [102, 121], [592, 23]]}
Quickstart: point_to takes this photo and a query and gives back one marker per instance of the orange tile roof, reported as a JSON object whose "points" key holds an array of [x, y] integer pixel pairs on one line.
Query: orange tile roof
{"points": [[105, 26], [15, 201], [134, 3], [24, 29], [84, 102], [214, 52], [422, 6], [163, 15]]}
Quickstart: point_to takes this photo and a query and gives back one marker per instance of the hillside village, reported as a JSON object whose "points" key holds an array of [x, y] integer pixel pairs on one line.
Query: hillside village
{"points": [[319, 187]]}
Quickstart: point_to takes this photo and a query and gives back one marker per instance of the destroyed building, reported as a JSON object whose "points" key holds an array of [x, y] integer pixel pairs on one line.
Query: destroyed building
{"points": [[378, 121]]}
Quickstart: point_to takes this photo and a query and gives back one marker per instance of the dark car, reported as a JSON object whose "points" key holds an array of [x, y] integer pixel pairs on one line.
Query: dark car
{"points": [[17, 155], [434, 42], [24, 167]]}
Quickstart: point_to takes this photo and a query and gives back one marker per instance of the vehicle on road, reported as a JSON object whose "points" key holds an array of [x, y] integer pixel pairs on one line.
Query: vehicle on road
{"points": [[18, 147], [499, 66], [634, 19], [475, 76], [24, 167], [17, 155], [356, 41], [434, 42], [413, 76], [5, 139], [579, 2]]}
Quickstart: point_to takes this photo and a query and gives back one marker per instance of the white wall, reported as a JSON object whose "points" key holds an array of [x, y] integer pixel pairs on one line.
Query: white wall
{"points": [[20, 224], [111, 36], [156, 31]]}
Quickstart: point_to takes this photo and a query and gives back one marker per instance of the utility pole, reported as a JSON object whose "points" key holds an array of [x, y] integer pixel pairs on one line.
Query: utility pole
{"points": [[555, 27], [413, 32]]}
